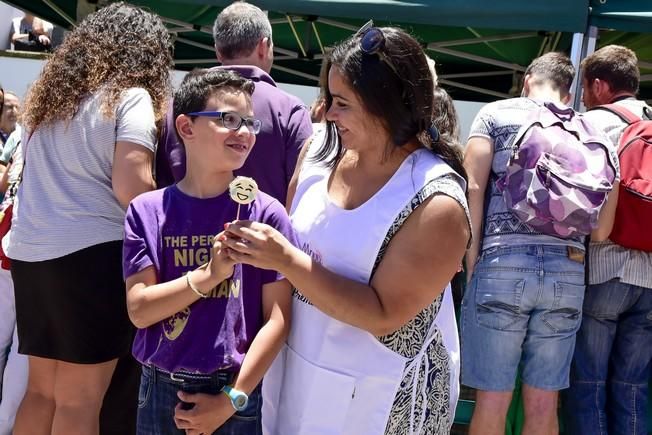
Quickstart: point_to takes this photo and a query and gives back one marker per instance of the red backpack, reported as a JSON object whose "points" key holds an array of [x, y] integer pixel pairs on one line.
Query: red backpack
{"points": [[634, 211]]}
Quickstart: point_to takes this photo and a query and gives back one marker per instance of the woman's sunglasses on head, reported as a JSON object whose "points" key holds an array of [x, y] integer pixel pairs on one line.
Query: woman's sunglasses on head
{"points": [[372, 41]]}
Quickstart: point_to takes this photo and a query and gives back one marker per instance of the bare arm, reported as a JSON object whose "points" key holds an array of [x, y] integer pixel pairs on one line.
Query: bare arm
{"points": [[211, 411], [277, 303], [292, 185], [149, 302], [132, 171], [420, 261], [477, 162], [16, 35], [607, 216], [4, 179]]}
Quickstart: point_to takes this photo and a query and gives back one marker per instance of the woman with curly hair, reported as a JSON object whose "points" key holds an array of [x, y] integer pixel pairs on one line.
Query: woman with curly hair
{"points": [[89, 149]]}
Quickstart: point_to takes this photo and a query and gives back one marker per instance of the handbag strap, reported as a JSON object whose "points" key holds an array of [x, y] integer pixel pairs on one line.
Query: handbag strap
{"points": [[24, 151]]}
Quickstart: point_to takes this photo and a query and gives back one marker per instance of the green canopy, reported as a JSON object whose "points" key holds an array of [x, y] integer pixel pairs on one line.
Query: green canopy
{"points": [[629, 15], [480, 47]]}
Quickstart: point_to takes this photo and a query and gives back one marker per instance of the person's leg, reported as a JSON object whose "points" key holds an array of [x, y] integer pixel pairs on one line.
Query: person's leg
{"points": [[540, 407], [548, 348], [120, 406], [7, 320], [490, 412], [78, 392], [14, 379], [495, 315], [630, 367], [584, 404], [36, 411], [14, 386]]}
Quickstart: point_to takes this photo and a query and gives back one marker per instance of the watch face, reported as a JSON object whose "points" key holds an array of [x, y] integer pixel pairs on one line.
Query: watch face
{"points": [[240, 402]]}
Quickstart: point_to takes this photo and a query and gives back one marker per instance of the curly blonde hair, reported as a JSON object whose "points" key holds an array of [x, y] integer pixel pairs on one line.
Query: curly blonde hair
{"points": [[116, 48]]}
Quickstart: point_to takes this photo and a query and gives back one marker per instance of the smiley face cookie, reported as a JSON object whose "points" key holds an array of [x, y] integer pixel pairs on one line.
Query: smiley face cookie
{"points": [[243, 190]]}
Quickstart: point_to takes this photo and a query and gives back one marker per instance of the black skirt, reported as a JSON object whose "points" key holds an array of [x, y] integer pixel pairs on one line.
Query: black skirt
{"points": [[73, 308]]}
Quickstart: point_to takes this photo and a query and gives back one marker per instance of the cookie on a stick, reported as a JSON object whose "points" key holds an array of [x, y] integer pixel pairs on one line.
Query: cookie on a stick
{"points": [[243, 190]]}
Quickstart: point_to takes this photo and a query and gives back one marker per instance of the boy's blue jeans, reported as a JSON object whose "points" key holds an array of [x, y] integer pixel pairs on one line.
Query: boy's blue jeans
{"points": [[157, 399], [611, 365]]}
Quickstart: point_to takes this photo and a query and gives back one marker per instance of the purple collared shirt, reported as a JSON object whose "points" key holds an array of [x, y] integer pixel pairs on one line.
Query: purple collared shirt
{"points": [[286, 126]]}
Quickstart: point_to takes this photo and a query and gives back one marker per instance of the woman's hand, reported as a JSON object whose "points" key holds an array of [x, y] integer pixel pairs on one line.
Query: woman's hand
{"points": [[259, 245], [209, 413]]}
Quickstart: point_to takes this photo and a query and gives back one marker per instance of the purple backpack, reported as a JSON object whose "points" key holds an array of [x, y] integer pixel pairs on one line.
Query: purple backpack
{"points": [[560, 173]]}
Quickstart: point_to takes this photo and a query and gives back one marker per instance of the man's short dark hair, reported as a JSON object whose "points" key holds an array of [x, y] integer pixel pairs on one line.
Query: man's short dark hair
{"points": [[238, 29], [200, 84], [555, 68], [614, 64]]}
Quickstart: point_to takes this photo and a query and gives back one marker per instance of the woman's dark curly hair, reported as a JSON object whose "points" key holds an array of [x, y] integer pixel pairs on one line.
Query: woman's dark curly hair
{"points": [[116, 48]]}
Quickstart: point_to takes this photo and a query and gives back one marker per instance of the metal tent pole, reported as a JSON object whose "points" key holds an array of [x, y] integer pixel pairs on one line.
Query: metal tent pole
{"points": [[583, 45]]}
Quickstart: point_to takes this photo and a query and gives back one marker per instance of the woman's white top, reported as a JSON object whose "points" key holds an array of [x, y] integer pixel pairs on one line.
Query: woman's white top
{"points": [[335, 378], [65, 202]]}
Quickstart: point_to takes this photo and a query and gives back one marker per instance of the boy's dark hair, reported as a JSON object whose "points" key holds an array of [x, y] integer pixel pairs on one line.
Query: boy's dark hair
{"points": [[200, 84], [614, 64], [555, 68]]}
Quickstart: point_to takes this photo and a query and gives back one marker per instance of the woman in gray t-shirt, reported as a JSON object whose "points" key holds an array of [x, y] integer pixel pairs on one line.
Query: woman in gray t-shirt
{"points": [[91, 136]]}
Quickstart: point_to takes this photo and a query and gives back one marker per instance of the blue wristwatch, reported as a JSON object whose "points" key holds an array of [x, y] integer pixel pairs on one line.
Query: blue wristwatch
{"points": [[238, 398]]}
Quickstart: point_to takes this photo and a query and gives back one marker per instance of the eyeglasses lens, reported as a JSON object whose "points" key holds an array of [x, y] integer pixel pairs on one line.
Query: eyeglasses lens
{"points": [[233, 121]]}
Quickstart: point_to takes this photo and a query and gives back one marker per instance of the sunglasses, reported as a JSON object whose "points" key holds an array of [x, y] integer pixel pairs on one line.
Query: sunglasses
{"points": [[232, 120], [372, 41]]}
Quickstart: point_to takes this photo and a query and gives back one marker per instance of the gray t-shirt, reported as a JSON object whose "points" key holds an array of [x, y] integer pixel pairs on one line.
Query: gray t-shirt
{"points": [[66, 201], [608, 260], [499, 122]]}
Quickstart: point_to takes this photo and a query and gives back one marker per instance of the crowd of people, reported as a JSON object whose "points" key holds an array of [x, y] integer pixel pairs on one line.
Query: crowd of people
{"points": [[139, 297]]}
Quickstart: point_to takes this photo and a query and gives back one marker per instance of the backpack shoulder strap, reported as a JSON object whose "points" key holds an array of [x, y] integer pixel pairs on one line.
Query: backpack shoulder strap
{"points": [[622, 112]]}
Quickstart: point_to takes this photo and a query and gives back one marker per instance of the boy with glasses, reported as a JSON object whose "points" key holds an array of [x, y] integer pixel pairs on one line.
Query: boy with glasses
{"points": [[208, 328]]}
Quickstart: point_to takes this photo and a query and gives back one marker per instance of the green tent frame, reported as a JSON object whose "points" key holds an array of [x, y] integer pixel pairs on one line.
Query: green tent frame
{"points": [[481, 51]]}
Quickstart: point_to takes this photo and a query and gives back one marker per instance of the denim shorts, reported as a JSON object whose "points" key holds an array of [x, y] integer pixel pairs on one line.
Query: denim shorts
{"points": [[523, 308], [157, 398]]}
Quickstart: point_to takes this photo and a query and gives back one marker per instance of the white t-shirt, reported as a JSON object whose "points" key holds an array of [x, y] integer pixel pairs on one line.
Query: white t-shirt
{"points": [[66, 202], [19, 25]]}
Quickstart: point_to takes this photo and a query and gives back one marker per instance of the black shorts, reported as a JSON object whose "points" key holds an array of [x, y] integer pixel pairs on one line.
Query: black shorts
{"points": [[73, 308]]}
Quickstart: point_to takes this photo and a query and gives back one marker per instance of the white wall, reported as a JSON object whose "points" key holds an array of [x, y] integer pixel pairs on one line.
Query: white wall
{"points": [[17, 74]]}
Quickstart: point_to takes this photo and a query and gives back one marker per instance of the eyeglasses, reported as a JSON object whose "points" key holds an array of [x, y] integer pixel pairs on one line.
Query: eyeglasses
{"points": [[232, 120], [372, 41]]}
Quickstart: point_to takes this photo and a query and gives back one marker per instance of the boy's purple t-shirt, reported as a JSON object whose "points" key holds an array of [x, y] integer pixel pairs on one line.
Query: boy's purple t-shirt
{"points": [[286, 126], [173, 232]]}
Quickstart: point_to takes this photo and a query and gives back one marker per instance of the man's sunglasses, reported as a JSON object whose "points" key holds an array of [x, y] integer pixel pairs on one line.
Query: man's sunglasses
{"points": [[232, 120], [372, 41]]}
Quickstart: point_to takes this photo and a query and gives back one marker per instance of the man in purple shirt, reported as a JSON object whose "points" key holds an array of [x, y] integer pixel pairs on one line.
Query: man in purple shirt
{"points": [[243, 43]]}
